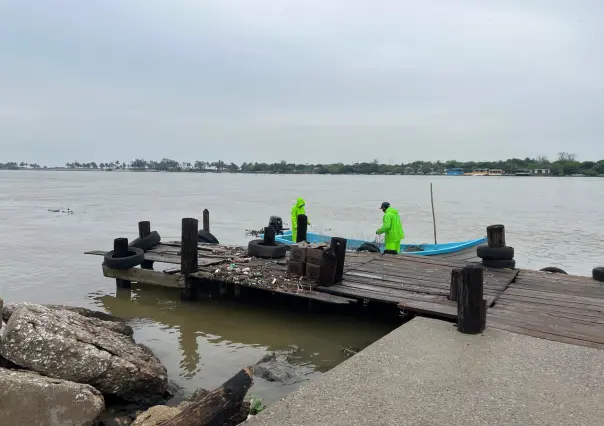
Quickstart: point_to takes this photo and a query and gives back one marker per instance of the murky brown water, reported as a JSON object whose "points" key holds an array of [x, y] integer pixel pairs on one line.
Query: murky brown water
{"points": [[550, 222]]}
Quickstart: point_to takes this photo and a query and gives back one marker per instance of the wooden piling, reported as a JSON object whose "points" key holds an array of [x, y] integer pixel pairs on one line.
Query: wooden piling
{"points": [[144, 229], [206, 220], [470, 317], [455, 284], [120, 249], [302, 227], [269, 236], [483, 314], [496, 235], [189, 256], [338, 246], [329, 265]]}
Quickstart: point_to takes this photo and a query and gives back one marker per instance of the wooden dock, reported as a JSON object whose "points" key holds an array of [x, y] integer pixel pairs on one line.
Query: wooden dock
{"points": [[564, 308], [558, 307]]}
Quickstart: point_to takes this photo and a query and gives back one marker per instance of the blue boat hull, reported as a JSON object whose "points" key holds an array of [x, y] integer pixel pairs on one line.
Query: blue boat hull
{"points": [[353, 244]]}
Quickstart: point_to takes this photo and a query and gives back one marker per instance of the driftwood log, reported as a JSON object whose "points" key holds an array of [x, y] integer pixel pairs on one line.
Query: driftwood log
{"points": [[218, 406]]}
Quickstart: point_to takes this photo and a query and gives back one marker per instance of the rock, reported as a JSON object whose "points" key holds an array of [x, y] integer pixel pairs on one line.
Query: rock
{"points": [[28, 398], [276, 367], [64, 344], [119, 416], [111, 322], [155, 415]]}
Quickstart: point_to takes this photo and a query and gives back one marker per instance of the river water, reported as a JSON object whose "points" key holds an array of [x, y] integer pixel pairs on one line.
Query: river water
{"points": [[549, 221]]}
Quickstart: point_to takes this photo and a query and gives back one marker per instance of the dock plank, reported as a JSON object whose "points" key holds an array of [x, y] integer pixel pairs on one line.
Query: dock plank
{"points": [[414, 283], [146, 276], [159, 257], [564, 308]]}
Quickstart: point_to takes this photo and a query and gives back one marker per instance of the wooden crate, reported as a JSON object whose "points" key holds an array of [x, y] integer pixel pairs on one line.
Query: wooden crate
{"points": [[296, 268], [298, 253]]}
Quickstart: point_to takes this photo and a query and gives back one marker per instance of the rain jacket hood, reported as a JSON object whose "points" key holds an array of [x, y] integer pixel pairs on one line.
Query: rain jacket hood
{"points": [[392, 227]]}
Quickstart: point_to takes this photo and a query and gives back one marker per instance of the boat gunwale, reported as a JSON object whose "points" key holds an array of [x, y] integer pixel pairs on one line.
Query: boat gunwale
{"points": [[449, 247]]}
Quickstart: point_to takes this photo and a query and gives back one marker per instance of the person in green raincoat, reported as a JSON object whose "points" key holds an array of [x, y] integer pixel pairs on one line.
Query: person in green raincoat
{"points": [[297, 210], [392, 228]]}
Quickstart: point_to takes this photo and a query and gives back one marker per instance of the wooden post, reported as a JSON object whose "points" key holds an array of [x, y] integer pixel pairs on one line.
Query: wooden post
{"points": [[433, 214], [338, 246], [302, 226], [144, 229], [469, 306], [188, 255], [329, 264], [120, 249], [483, 314], [269, 236], [496, 235], [455, 284], [206, 220]]}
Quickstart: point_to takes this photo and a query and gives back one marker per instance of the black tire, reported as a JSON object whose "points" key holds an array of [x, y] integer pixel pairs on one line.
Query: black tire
{"points": [[206, 237], [492, 263], [554, 270], [495, 253], [370, 247], [256, 248], [146, 243], [598, 273], [135, 257]]}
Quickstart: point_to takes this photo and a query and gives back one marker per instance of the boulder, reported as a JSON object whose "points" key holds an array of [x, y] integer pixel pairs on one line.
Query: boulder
{"points": [[277, 367], [66, 345], [111, 322], [28, 398]]}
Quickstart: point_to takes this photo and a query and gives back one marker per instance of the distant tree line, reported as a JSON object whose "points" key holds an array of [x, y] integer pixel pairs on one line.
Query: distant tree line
{"points": [[566, 164]]}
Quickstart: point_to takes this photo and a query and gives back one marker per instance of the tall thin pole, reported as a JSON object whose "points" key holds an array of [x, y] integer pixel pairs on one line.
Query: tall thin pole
{"points": [[433, 215]]}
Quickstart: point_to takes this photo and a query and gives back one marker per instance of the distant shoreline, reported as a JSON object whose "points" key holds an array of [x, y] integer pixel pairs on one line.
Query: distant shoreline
{"points": [[565, 165], [67, 169]]}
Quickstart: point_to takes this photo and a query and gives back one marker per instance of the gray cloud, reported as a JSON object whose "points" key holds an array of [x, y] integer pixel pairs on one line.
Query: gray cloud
{"points": [[349, 80]]}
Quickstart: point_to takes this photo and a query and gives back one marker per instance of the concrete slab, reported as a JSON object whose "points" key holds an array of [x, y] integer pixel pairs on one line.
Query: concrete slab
{"points": [[426, 373]]}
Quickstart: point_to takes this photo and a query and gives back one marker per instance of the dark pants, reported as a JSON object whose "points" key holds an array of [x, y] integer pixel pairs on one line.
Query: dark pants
{"points": [[390, 252]]}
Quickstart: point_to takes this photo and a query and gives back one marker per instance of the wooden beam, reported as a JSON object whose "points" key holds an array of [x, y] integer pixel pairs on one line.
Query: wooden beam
{"points": [[145, 276]]}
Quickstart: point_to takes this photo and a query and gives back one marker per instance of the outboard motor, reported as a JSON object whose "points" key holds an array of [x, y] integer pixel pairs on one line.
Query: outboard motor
{"points": [[276, 223]]}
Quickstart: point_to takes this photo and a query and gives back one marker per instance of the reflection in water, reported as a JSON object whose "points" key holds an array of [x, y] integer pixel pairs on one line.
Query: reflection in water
{"points": [[228, 335]]}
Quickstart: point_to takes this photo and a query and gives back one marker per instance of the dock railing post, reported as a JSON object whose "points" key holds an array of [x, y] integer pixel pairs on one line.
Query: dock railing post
{"points": [[455, 284], [206, 220], [338, 247], [329, 265], [144, 229], [269, 236], [302, 228], [188, 256], [120, 249], [471, 308], [496, 235]]}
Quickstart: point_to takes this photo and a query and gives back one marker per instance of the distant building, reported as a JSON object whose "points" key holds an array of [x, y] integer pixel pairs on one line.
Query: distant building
{"points": [[541, 171]]}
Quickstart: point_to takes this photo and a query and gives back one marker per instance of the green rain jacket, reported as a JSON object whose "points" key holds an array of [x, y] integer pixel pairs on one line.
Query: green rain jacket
{"points": [[393, 228], [297, 210]]}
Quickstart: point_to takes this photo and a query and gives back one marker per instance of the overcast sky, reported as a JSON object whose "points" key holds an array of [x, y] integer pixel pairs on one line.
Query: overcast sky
{"points": [[304, 81]]}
